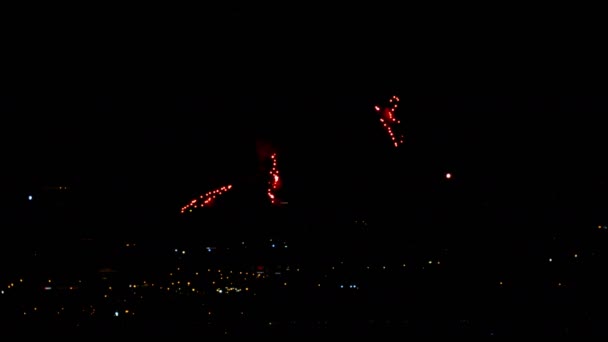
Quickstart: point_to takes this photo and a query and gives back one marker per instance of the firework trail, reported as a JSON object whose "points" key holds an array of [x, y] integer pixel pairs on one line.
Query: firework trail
{"points": [[205, 199], [274, 181], [389, 120]]}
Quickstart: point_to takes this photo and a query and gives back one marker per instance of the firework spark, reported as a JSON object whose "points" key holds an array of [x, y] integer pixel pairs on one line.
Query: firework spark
{"points": [[274, 181], [389, 120], [205, 199]]}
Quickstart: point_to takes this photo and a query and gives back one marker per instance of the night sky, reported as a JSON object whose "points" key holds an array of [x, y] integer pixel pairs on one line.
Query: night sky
{"points": [[112, 119], [146, 112], [154, 152]]}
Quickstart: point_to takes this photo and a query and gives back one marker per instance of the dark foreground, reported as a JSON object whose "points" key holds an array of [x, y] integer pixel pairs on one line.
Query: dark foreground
{"points": [[355, 278]]}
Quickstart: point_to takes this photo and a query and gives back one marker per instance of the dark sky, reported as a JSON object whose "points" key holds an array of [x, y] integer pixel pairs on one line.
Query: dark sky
{"points": [[163, 107], [157, 150]]}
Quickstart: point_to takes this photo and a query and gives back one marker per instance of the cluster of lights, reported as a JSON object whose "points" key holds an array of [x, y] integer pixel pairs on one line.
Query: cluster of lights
{"points": [[225, 281], [273, 183], [229, 289], [205, 199], [389, 121], [10, 286]]}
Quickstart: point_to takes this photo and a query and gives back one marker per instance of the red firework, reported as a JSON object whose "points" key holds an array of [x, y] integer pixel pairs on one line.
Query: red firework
{"points": [[205, 199], [389, 120], [274, 181]]}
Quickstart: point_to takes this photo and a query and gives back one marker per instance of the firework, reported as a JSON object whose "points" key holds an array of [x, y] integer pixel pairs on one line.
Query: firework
{"points": [[205, 199], [273, 182], [389, 121]]}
